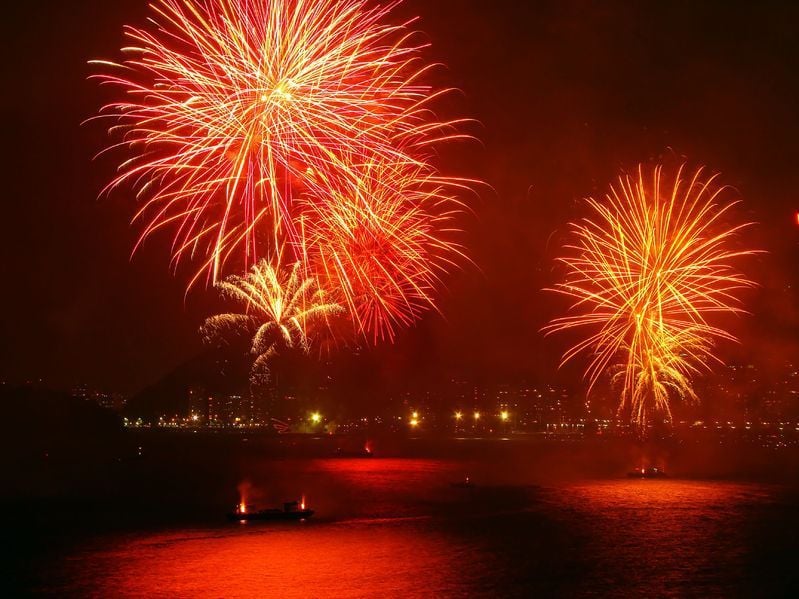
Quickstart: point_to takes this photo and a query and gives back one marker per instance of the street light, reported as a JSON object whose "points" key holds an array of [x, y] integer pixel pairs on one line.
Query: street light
{"points": [[458, 415], [316, 417], [504, 415], [477, 415]]}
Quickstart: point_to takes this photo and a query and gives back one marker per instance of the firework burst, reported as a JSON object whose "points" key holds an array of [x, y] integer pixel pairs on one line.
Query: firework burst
{"points": [[646, 275], [281, 305], [234, 109], [380, 246]]}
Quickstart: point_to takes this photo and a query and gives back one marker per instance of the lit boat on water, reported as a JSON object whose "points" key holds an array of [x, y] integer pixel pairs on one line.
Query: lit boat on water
{"points": [[466, 483], [292, 510], [364, 452], [651, 472]]}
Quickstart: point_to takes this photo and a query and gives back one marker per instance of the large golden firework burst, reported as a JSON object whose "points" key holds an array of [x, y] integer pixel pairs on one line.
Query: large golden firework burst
{"points": [[647, 272], [233, 109]]}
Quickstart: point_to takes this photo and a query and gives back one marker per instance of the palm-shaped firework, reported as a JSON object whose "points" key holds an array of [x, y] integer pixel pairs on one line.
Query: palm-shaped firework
{"points": [[280, 307]]}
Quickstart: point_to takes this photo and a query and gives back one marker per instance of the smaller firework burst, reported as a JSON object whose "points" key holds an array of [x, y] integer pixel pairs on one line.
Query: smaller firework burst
{"points": [[281, 307], [380, 247]]}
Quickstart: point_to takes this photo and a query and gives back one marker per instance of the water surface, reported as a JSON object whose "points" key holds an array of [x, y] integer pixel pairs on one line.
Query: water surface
{"points": [[397, 527]]}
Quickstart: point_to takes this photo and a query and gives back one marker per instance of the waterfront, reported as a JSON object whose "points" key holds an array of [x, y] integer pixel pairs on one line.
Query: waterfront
{"points": [[540, 520]]}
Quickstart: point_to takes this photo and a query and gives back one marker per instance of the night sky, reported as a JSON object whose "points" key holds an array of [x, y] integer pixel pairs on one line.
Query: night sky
{"points": [[566, 93]]}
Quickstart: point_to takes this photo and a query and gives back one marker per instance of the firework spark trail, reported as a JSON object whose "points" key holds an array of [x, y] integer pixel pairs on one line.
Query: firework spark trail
{"points": [[235, 108], [281, 305], [645, 274]]}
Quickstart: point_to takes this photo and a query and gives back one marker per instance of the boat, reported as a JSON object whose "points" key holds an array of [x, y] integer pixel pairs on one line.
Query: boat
{"points": [[651, 472], [364, 452], [466, 483], [292, 510]]}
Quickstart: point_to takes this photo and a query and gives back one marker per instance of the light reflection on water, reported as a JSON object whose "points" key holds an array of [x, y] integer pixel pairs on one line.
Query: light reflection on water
{"points": [[397, 528], [672, 537], [336, 560]]}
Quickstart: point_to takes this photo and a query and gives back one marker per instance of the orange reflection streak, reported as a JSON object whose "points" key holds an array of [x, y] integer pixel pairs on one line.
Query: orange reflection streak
{"points": [[244, 562]]}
